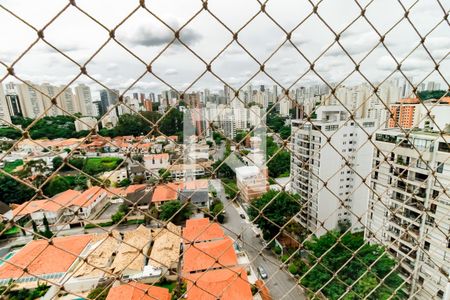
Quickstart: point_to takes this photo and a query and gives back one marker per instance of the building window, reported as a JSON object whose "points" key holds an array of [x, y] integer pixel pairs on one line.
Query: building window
{"points": [[440, 294], [444, 147]]}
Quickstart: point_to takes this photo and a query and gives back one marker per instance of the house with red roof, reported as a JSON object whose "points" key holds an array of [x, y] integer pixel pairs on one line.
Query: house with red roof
{"points": [[138, 291], [211, 267], [63, 209], [204, 256], [48, 261], [164, 193], [224, 284]]}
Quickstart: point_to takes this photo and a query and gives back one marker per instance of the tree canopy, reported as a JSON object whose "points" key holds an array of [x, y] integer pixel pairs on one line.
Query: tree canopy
{"points": [[176, 210], [280, 162], [436, 94], [353, 267], [281, 207]]}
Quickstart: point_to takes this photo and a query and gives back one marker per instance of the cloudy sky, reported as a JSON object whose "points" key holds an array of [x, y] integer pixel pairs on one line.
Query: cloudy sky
{"points": [[79, 37]]}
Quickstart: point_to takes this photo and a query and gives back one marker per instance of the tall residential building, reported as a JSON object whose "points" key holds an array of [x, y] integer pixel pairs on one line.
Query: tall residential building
{"points": [[12, 100], [410, 205], [83, 98], [433, 85], [107, 98], [4, 111], [31, 100], [326, 173], [411, 113], [67, 101], [51, 91]]}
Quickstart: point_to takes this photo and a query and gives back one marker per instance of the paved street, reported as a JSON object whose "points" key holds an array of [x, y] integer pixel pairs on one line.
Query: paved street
{"points": [[280, 284]]}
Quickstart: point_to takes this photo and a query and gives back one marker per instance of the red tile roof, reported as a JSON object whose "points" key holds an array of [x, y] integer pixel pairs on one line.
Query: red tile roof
{"points": [[215, 254], [196, 184], [41, 258], [134, 188], [224, 284], [166, 192], [61, 201], [202, 230], [28, 207], [138, 291], [88, 196]]}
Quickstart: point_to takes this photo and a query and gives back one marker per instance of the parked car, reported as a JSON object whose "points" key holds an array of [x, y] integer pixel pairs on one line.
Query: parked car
{"points": [[262, 272], [242, 216]]}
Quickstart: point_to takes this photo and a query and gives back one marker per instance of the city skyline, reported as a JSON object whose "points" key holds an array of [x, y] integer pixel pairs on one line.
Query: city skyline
{"points": [[116, 68]]}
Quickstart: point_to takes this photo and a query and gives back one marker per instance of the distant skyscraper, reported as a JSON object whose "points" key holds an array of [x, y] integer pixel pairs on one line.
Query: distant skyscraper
{"points": [[107, 98], [4, 111], [84, 100], [433, 86], [12, 100], [31, 100]]}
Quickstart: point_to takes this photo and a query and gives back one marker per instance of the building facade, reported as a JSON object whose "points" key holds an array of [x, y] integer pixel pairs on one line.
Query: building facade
{"points": [[329, 156], [409, 207]]}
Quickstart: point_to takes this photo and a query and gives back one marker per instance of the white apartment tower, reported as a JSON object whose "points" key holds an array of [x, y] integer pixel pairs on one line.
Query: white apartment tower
{"points": [[84, 100], [327, 173], [31, 100], [5, 116], [409, 207]]}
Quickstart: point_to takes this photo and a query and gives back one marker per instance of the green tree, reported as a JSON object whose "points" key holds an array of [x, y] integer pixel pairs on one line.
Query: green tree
{"points": [[117, 217], [279, 165], [217, 210], [10, 133], [56, 185], [124, 182], [430, 94], [223, 170], [164, 174], [350, 255], [57, 162], [175, 209], [99, 293], [172, 123], [281, 207], [285, 132], [13, 191]]}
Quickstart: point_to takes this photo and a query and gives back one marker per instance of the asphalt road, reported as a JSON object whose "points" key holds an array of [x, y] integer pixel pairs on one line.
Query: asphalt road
{"points": [[280, 284]]}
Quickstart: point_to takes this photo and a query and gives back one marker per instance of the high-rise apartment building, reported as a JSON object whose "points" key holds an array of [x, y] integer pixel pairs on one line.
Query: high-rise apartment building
{"points": [[51, 91], [12, 100], [411, 113], [409, 207], [31, 100], [83, 98], [107, 98], [5, 116], [329, 157], [433, 85]]}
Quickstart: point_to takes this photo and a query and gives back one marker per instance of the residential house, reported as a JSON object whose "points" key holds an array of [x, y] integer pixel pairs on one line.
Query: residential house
{"points": [[136, 290], [87, 203], [164, 193], [196, 191], [224, 284], [155, 162], [43, 260], [212, 268], [53, 210], [184, 171]]}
